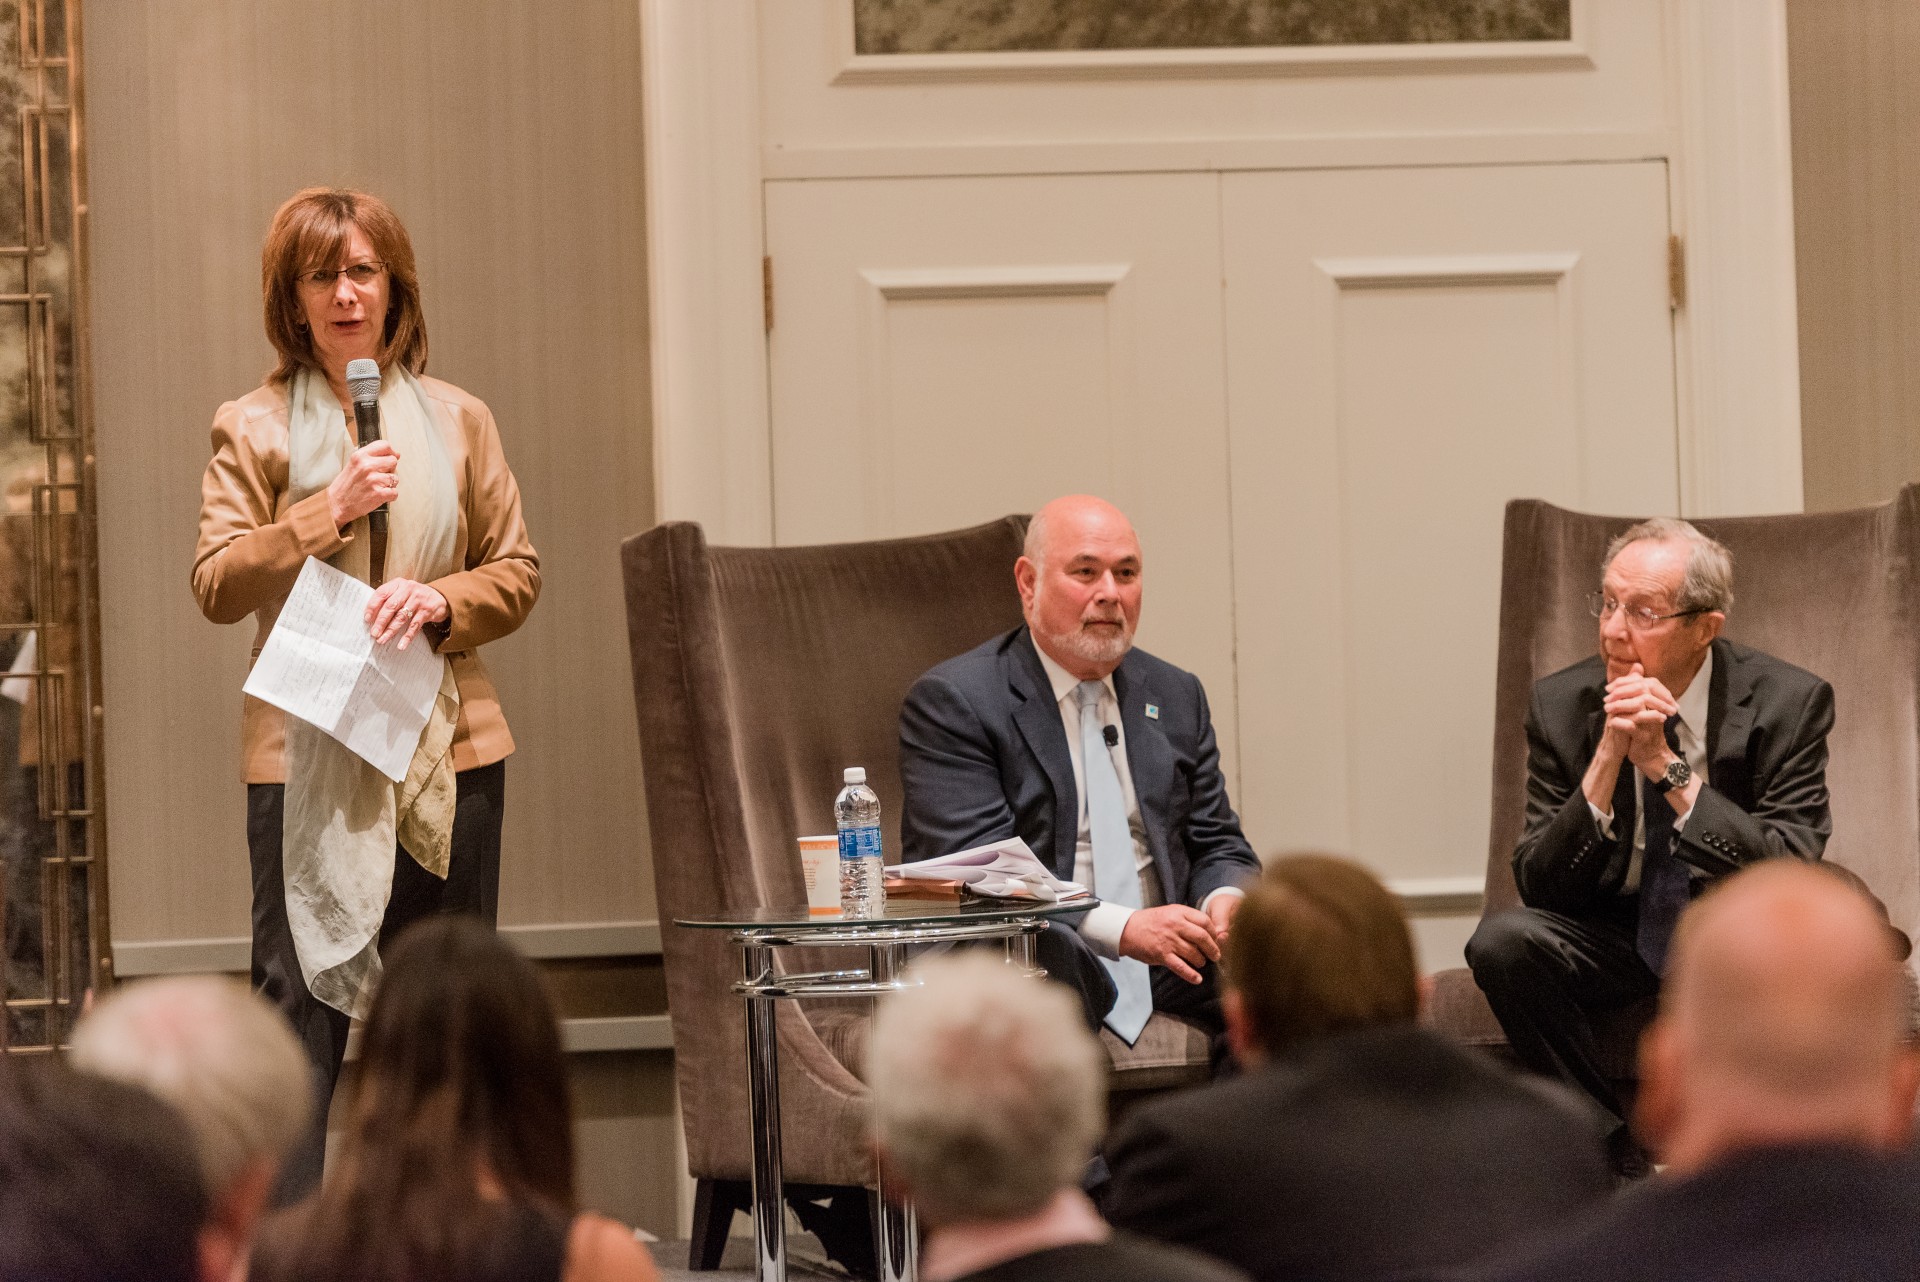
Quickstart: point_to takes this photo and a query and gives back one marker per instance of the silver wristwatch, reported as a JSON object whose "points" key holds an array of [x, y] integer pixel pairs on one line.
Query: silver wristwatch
{"points": [[1679, 775]]}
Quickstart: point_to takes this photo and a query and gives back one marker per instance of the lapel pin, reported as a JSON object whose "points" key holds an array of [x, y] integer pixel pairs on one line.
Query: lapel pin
{"points": [[1153, 711]]}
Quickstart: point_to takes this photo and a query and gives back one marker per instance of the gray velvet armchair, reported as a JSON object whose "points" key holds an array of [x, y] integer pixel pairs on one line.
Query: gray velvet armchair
{"points": [[1833, 592], [758, 674]]}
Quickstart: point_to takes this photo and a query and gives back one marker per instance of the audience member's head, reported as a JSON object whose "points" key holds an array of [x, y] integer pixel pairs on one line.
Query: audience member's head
{"points": [[462, 1053], [98, 1180], [1783, 1019], [227, 1063], [461, 1118], [1898, 939], [988, 1091], [1318, 947], [1079, 579]]}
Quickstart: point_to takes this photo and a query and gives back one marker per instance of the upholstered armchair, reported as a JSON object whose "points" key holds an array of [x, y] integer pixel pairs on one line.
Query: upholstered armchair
{"points": [[758, 675]]}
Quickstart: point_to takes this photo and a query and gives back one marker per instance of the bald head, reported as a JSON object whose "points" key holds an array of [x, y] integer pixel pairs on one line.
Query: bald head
{"points": [[1784, 1017], [1079, 579], [1072, 518]]}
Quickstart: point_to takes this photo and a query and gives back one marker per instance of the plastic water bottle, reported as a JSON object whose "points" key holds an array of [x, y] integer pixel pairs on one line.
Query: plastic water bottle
{"points": [[856, 811]]}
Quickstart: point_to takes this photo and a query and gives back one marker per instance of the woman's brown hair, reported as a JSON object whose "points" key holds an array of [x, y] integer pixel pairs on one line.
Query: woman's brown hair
{"points": [[461, 1079], [310, 232], [1319, 946]]}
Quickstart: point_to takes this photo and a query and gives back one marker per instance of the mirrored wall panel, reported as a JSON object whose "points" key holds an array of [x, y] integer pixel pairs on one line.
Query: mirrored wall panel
{"points": [[53, 893]]}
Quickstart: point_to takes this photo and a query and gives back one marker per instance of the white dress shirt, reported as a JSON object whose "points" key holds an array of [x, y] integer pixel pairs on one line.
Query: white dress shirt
{"points": [[1692, 735], [1102, 926]]}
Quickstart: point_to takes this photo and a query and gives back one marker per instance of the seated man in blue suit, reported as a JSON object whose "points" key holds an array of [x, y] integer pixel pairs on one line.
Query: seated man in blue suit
{"points": [[1102, 758]]}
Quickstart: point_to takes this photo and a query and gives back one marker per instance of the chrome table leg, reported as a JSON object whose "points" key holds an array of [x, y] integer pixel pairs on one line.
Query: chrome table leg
{"points": [[899, 1244], [1020, 950], [763, 1080]]}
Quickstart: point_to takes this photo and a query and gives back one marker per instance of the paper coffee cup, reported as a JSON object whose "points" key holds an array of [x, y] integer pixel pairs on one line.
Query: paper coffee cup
{"points": [[820, 868]]}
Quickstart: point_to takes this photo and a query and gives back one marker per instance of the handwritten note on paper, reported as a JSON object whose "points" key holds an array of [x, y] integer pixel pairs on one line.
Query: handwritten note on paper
{"points": [[319, 664]]}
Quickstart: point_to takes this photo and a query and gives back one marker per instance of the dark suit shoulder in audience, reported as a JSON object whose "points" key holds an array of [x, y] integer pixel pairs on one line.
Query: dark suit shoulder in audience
{"points": [[1806, 1213], [1122, 1258], [1365, 1155]]}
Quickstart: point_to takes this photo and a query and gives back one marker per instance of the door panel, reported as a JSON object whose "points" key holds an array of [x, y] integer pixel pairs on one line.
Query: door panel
{"points": [[1407, 350], [949, 351]]}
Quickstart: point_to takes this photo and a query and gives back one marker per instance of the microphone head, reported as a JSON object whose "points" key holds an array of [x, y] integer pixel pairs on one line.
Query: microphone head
{"points": [[363, 381]]}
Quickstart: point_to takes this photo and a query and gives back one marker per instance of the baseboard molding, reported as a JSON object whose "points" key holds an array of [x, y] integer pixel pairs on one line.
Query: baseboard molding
{"points": [[617, 1033], [1439, 896], [230, 955], [223, 955]]}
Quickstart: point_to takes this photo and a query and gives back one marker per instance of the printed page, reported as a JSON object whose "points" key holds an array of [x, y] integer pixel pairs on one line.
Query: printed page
{"points": [[319, 664]]}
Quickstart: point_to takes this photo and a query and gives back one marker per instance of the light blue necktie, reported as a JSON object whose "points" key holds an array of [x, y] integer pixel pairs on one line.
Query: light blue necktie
{"points": [[1116, 877]]}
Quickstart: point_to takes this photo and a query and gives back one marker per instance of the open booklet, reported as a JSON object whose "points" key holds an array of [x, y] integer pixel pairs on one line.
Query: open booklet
{"points": [[998, 870]]}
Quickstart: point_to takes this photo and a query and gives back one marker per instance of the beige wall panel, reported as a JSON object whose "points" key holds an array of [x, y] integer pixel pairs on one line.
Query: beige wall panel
{"points": [[623, 1132], [1854, 68], [1407, 350], [507, 133], [946, 352], [970, 383]]}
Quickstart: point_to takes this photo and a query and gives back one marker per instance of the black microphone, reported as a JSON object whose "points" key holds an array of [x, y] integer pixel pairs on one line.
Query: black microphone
{"points": [[363, 383], [1112, 734]]}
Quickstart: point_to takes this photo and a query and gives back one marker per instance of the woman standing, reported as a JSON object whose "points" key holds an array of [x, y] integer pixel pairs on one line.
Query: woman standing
{"points": [[341, 856]]}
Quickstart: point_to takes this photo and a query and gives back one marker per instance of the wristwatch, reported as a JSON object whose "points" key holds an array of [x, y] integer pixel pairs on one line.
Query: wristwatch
{"points": [[1679, 775]]}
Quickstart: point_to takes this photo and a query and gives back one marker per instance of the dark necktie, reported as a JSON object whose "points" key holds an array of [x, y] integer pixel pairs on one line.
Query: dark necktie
{"points": [[1663, 875]]}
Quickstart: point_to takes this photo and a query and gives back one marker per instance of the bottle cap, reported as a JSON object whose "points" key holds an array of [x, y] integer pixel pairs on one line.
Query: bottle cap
{"points": [[855, 774]]}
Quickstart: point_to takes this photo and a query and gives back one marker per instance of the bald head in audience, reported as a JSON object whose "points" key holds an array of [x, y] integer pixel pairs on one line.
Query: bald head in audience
{"points": [[228, 1064], [1784, 1020]]}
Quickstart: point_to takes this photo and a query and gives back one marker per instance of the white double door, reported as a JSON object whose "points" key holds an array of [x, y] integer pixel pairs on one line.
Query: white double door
{"points": [[1313, 391]]}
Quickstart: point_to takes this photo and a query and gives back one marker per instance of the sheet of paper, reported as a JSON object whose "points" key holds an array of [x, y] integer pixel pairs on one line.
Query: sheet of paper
{"points": [[1006, 869], [319, 664], [25, 659]]}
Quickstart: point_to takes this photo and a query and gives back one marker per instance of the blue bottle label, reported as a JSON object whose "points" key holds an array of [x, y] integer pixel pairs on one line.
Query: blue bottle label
{"points": [[860, 843]]}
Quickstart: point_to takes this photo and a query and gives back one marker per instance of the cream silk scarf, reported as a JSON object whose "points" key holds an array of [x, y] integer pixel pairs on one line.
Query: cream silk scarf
{"points": [[343, 816]]}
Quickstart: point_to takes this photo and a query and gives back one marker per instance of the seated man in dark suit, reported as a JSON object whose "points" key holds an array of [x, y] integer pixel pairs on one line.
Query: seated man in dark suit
{"points": [[987, 1098], [1102, 758], [1777, 1085], [1356, 1145], [1671, 758]]}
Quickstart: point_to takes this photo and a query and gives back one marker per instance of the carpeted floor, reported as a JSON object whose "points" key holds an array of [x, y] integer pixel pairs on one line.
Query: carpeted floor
{"points": [[805, 1261]]}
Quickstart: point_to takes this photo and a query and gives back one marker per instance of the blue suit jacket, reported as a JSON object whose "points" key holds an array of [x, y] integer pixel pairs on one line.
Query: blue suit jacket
{"points": [[984, 756]]}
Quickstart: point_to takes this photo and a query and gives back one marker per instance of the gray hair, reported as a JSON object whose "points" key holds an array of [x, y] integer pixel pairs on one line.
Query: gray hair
{"points": [[1708, 582], [219, 1054], [1034, 547], [988, 1090]]}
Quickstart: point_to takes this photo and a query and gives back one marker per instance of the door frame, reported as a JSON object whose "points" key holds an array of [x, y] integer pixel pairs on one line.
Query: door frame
{"points": [[1729, 156]]}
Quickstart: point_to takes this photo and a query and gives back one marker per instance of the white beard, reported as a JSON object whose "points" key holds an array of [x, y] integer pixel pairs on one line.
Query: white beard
{"points": [[1094, 648]]}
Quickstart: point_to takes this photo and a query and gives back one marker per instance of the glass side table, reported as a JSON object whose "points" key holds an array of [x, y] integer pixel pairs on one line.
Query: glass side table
{"points": [[906, 922]]}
